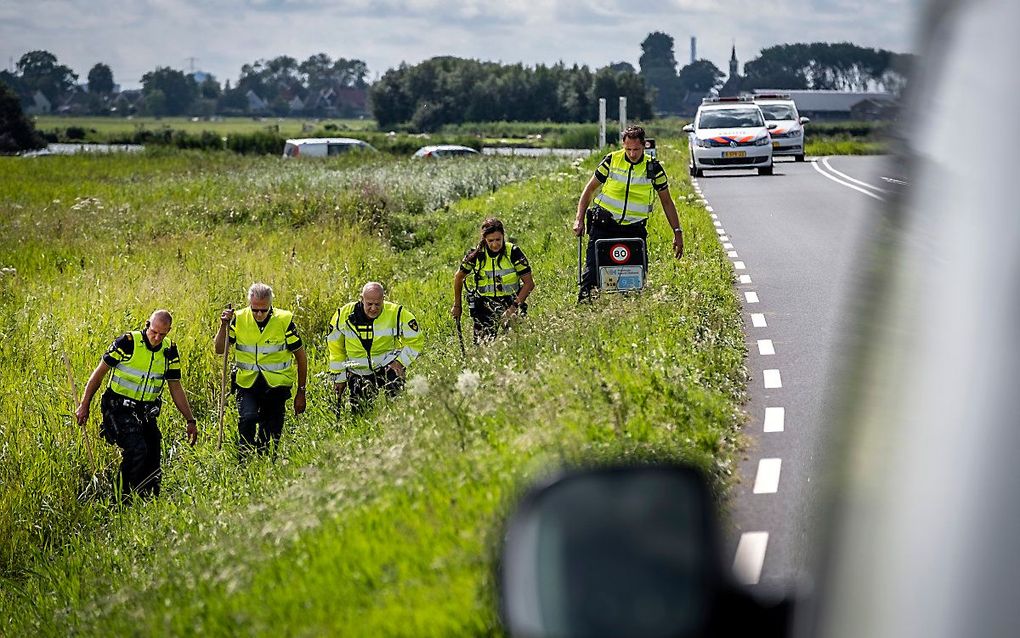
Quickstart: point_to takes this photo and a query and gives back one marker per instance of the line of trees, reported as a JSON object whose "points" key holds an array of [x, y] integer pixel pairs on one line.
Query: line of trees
{"points": [[827, 66], [278, 86], [450, 90]]}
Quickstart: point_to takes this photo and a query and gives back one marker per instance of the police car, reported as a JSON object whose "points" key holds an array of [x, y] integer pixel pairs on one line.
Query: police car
{"points": [[729, 133], [788, 136]]}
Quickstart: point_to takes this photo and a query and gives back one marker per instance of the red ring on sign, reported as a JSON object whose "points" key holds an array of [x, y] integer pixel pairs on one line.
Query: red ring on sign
{"points": [[619, 253]]}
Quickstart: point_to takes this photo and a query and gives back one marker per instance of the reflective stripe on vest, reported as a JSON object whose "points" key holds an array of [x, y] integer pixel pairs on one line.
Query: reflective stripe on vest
{"points": [[141, 376], [263, 351], [493, 281], [627, 186]]}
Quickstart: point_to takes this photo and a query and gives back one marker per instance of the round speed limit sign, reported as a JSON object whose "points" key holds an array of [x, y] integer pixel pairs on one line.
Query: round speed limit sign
{"points": [[619, 253]]}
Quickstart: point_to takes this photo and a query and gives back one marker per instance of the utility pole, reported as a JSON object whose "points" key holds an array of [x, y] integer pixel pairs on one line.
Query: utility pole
{"points": [[623, 116], [191, 62], [602, 122]]}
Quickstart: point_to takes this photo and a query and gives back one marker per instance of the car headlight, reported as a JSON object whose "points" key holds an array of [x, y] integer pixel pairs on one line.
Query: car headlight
{"points": [[763, 141], [703, 143]]}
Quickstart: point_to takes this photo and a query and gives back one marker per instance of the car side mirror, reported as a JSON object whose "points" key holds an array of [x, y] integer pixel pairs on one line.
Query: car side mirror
{"points": [[624, 551], [688, 128], [772, 126], [805, 120], [612, 552]]}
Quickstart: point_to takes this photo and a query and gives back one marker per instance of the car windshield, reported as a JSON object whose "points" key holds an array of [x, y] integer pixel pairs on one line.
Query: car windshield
{"points": [[730, 118], [778, 111]]}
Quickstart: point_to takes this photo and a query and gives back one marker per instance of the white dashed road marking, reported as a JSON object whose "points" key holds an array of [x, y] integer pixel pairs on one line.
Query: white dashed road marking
{"points": [[767, 480], [775, 419], [750, 557]]}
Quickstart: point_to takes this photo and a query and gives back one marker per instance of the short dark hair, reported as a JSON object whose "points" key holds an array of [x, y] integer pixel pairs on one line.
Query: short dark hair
{"points": [[634, 132]]}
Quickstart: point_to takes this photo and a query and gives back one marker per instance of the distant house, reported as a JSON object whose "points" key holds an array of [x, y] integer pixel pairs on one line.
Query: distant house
{"points": [[342, 101], [296, 104], [75, 102], [841, 105], [255, 103], [38, 104], [126, 102]]}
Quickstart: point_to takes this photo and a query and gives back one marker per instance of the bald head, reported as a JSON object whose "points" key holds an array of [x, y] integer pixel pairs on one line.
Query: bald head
{"points": [[372, 295], [158, 326]]}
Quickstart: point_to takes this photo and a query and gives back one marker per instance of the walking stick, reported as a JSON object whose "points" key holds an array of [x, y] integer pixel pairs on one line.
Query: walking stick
{"points": [[74, 407], [580, 241], [460, 337], [223, 381]]}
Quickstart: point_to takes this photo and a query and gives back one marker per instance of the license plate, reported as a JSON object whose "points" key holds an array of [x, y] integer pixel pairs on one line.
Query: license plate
{"points": [[775, 144], [734, 154]]}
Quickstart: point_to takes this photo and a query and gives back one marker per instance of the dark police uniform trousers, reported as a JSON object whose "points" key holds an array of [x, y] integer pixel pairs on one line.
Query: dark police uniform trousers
{"points": [[261, 410], [131, 425]]}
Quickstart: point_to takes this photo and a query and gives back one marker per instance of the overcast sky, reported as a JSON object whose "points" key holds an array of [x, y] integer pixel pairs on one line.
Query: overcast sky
{"points": [[136, 36]]}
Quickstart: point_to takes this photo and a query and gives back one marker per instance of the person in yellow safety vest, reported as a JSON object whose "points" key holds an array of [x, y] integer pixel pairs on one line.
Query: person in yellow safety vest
{"points": [[143, 361], [371, 342], [630, 179], [266, 348], [501, 278]]}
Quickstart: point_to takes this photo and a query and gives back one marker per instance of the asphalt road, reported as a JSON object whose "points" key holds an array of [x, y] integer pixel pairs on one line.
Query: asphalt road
{"points": [[794, 239]]}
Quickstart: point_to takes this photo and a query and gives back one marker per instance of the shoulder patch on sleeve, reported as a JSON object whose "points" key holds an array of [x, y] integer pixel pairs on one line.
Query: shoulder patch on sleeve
{"points": [[413, 324]]}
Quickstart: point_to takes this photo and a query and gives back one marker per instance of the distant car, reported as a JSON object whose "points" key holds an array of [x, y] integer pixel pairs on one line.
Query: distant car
{"points": [[444, 150], [729, 133], [788, 136], [324, 146]]}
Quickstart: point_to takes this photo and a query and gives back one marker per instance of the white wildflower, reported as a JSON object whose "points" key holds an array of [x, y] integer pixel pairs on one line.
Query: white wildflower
{"points": [[418, 386], [467, 382]]}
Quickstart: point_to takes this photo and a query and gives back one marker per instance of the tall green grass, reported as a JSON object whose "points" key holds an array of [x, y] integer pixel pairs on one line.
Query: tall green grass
{"points": [[385, 525]]}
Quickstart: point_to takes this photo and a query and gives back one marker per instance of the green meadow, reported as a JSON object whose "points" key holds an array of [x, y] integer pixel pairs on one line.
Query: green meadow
{"points": [[384, 525]]}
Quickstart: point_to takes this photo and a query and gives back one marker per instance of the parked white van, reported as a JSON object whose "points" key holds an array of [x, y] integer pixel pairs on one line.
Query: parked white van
{"points": [[324, 146]]}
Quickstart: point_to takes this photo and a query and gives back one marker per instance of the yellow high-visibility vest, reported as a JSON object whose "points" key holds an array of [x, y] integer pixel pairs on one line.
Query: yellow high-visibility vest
{"points": [[142, 375], [263, 351], [394, 335], [628, 192]]}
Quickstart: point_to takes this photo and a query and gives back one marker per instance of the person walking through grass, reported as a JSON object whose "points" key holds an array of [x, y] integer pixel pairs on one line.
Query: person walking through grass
{"points": [[499, 281], [371, 343], [629, 179], [142, 361], [266, 348]]}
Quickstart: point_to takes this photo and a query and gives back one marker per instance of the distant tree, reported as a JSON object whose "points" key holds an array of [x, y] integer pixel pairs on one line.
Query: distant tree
{"points": [[829, 66], [17, 133], [40, 71], [13, 82], [700, 76], [611, 84], [622, 67], [210, 88], [170, 90], [658, 68], [100, 79]]}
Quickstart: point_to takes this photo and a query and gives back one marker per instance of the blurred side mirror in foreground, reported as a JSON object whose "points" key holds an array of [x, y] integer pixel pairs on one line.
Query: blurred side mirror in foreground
{"points": [[623, 551]]}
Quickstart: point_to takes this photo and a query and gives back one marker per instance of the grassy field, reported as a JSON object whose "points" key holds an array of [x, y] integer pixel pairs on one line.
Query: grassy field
{"points": [[385, 525]]}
